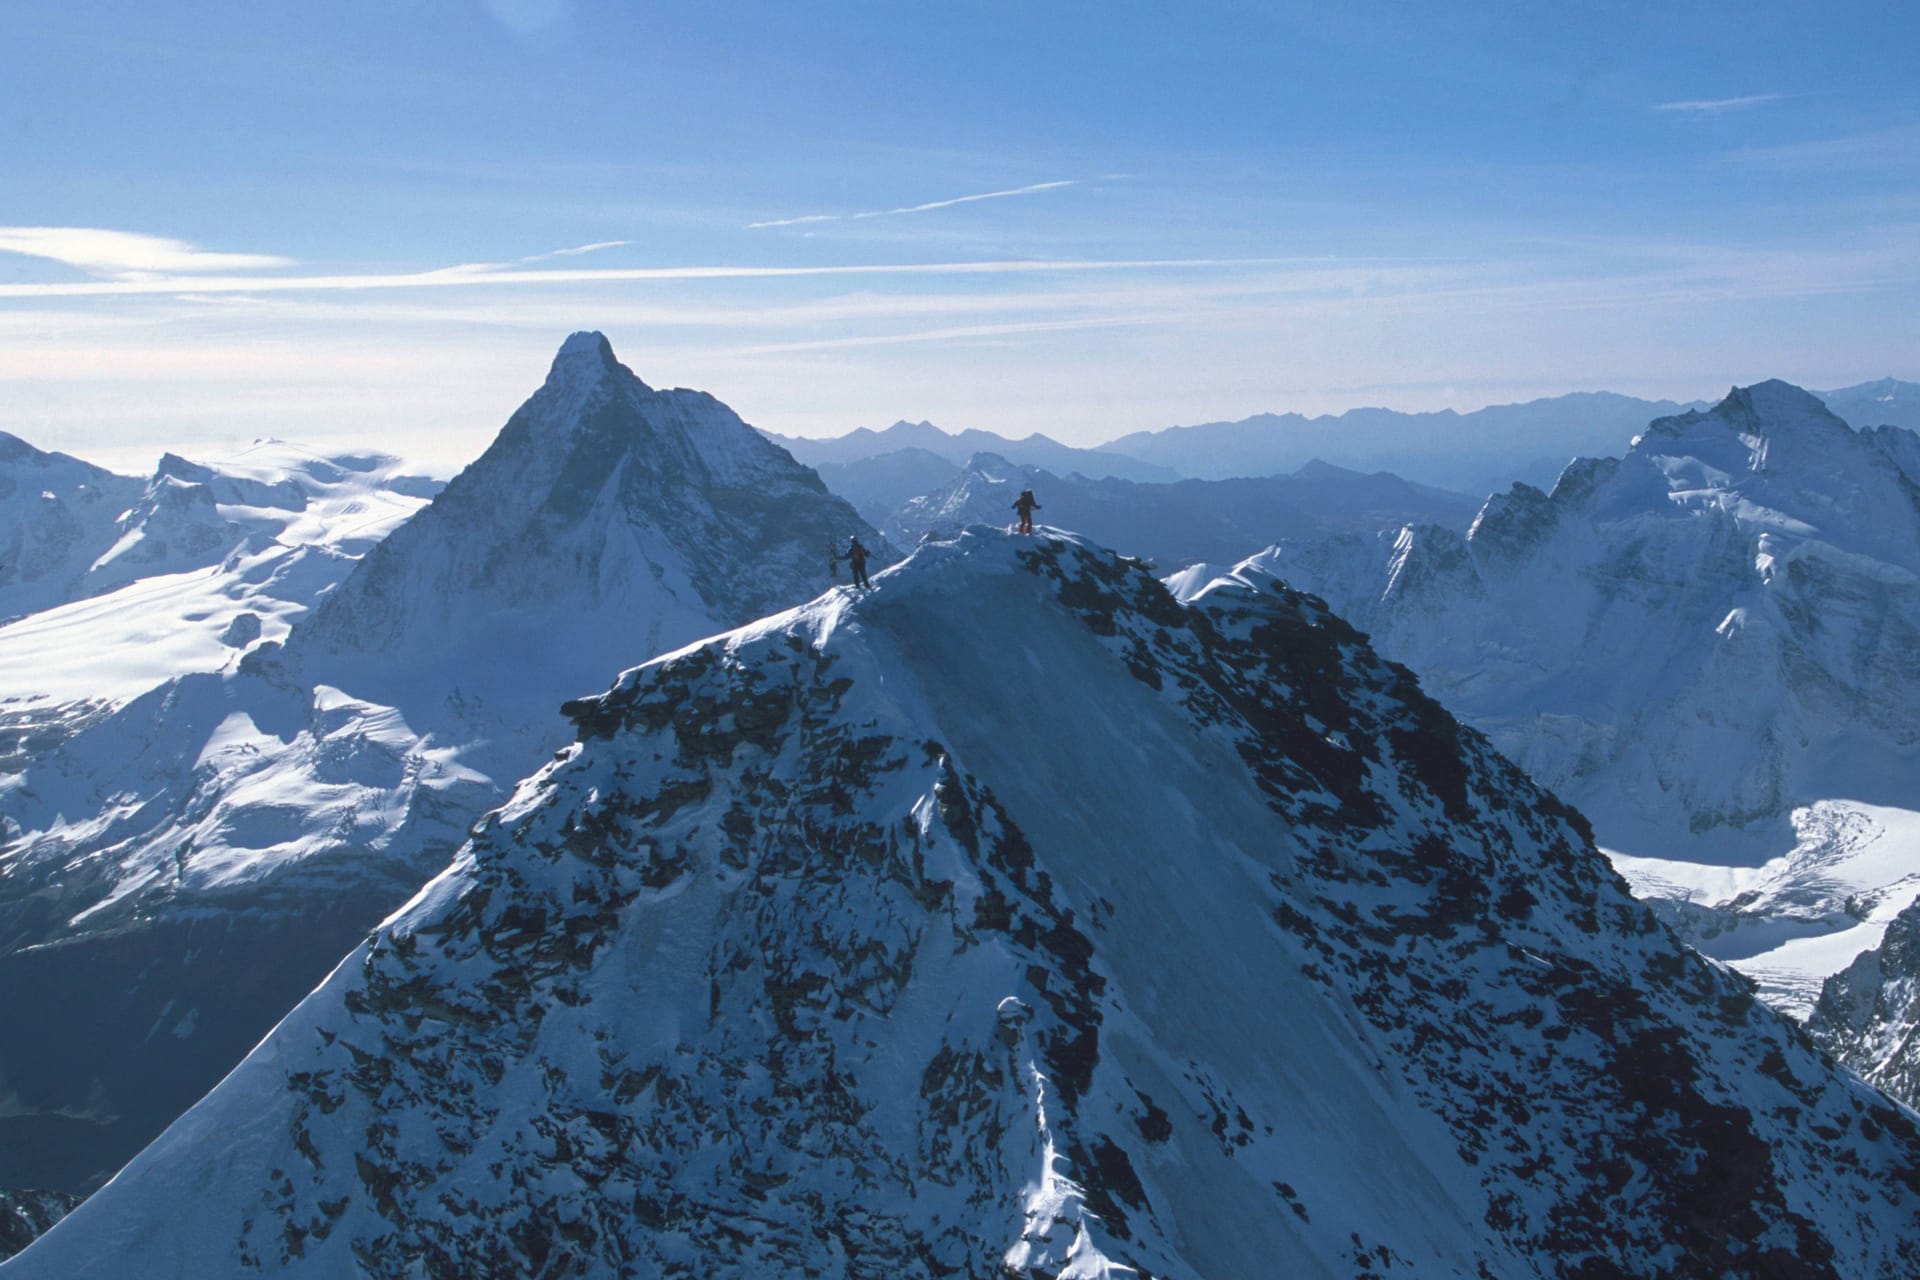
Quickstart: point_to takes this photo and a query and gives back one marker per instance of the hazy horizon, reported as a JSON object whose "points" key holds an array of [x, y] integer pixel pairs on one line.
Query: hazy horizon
{"points": [[372, 225]]}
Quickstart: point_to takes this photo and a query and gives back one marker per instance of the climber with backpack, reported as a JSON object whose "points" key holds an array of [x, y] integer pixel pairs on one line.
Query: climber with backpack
{"points": [[1026, 506], [857, 561]]}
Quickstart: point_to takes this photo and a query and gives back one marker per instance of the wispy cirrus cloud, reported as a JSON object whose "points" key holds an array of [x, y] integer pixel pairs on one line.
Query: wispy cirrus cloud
{"points": [[579, 249], [1713, 106], [469, 275], [125, 254], [484, 268], [1032, 189]]}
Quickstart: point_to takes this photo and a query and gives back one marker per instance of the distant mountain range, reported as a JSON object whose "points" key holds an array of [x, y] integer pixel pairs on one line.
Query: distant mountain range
{"points": [[956, 447], [1179, 523], [1887, 402], [1479, 452]]}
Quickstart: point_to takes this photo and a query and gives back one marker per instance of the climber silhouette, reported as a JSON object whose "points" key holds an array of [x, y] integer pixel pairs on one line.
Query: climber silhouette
{"points": [[1026, 506], [857, 560]]}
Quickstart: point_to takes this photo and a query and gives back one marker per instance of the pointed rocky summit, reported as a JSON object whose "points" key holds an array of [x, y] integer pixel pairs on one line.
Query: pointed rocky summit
{"points": [[182, 871], [624, 518]]}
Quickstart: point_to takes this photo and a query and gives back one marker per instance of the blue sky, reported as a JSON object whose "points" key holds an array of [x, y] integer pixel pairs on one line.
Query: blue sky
{"points": [[372, 224]]}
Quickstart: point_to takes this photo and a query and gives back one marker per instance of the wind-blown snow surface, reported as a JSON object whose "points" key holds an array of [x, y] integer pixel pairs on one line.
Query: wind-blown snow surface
{"points": [[1712, 647], [196, 566], [179, 869], [1015, 919]]}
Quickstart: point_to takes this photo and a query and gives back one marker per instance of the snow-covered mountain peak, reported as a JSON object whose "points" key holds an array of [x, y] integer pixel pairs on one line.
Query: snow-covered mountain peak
{"points": [[1742, 432], [589, 345], [656, 512], [1775, 402], [1013, 918], [172, 464], [1513, 521], [1775, 461], [992, 469], [1708, 645], [57, 515], [582, 367]]}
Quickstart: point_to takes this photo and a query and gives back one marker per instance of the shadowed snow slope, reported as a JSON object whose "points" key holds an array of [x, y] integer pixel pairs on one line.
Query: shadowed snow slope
{"points": [[182, 867], [1017, 919], [1711, 646]]}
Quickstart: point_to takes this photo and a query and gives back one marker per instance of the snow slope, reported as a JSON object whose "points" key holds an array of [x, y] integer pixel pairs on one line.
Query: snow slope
{"points": [[1711, 646], [203, 562], [179, 867], [1014, 919]]}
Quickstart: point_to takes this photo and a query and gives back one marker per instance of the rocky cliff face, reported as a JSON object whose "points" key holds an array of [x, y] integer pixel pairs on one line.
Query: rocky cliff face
{"points": [[1868, 1014], [25, 1216], [1015, 918], [183, 864], [1709, 645]]}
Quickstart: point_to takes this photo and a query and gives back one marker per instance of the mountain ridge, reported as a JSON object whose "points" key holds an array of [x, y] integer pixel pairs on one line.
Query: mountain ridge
{"points": [[186, 862], [799, 961]]}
